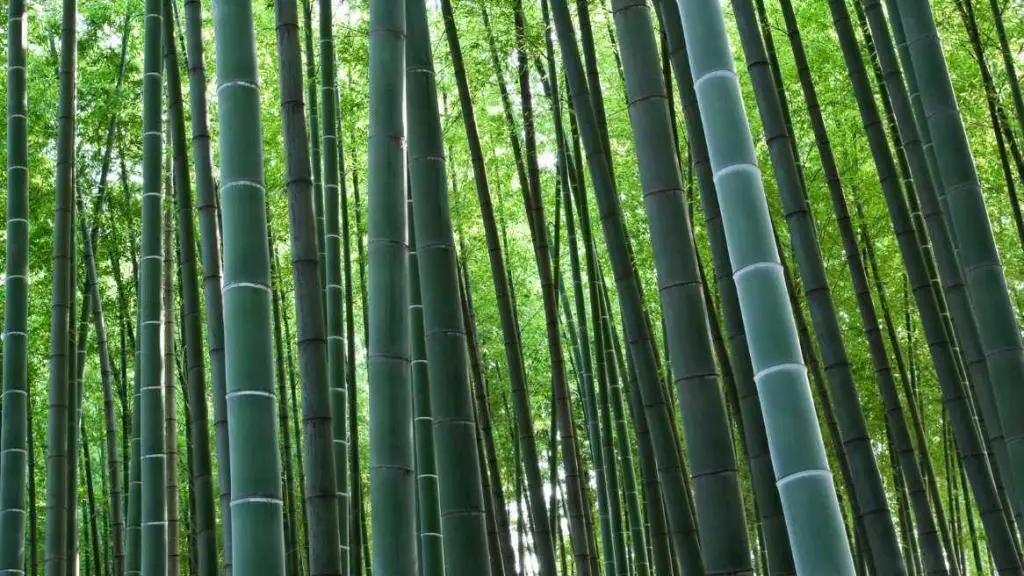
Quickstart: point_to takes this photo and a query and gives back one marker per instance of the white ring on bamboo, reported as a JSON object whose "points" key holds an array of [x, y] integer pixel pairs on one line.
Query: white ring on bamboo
{"points": [[256, 500], [791, 366], [803, 474], [15, 333], [147, 456], [234, 285], [434, 476], [153, 133], [18, 450], [235, 183], [431, 534], [259, 393], [13, 168], [418, 360], [18, 220], [242, 83], [755, 266], [744, 167], [157, 74], [726, 72], [427, 418]]}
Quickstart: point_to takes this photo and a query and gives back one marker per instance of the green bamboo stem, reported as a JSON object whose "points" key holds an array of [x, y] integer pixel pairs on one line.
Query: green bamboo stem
{"points": [[333, 281], [910, 471], [638, 332], [709, 442], [451, 405], [780, 557], [943, 356], [153, 469], [1007, 55], [983, 273], [871, 498], [319, 471], [256, 501], [964, 317], [807, 493], [293, 563], [170, 426], [14, 441], [506, 308], [62, 296], [431, 559], [202, 483], [210, 249], [392, 486]]}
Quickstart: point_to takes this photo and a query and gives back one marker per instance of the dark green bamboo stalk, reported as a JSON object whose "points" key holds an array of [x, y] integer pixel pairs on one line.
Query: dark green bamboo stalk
{"points": [[106, 375], [392, 486], [313, 137], [509, 324], [983, 272], [133, 533], [502, 548], [291, 543], [616, 363], [451, 404], [431, 555], [853, 429], [566, 172], [995, 111], [319, 467], [151, 427], [638, 333], [801, 468], [256, 503], [170, 426], [75, 360], [709, 442], [302, 517], [210, 248], [93, 526], [332, 275], [943, 355], [14, 442], [1007, 54], [780, 558], [62, 297], [909, 472], [202, 483], [963, 317], [357, 520]]}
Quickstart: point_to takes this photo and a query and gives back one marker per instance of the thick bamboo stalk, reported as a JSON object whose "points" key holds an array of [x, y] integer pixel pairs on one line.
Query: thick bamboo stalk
{"points": [[256, 503]]}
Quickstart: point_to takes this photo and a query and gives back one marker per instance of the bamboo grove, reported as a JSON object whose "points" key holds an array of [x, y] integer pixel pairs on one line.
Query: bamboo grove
{"points": [[513, 288]]}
